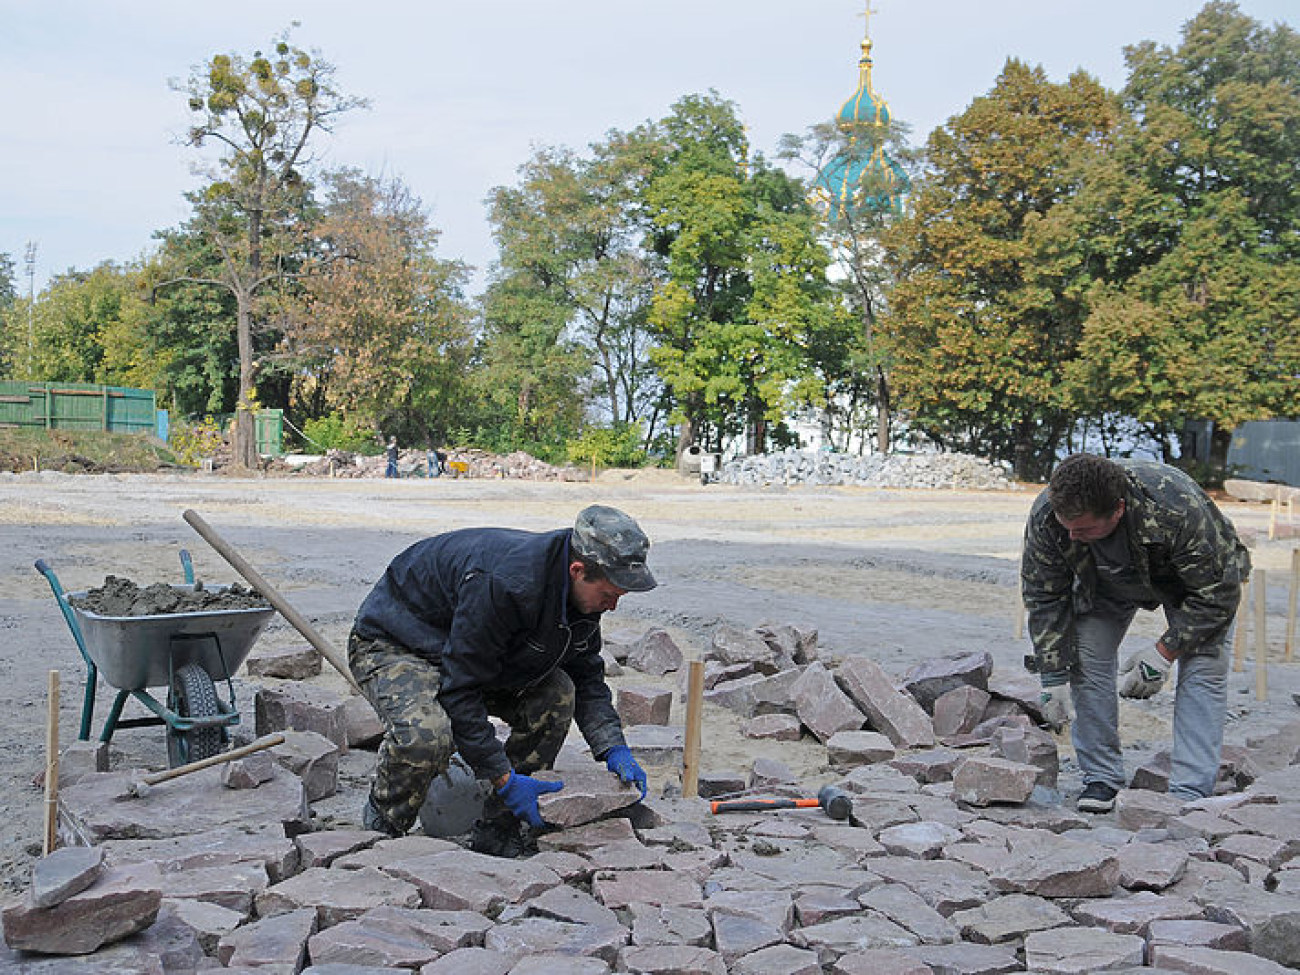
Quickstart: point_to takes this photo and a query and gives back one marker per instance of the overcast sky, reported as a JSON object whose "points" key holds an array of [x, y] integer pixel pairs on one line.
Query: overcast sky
{"points": [[460, 93]]}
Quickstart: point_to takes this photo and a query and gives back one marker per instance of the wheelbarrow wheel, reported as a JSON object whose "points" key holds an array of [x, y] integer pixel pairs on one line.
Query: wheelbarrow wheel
{"points": [[193, 695]]}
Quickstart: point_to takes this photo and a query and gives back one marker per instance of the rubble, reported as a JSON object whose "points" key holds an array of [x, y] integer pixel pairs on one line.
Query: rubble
{"points": [[467, 462], [959, 858], [952, 471]]}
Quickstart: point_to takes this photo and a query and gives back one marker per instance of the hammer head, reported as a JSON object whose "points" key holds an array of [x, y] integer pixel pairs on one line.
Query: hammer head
{"points": [[837, 803]]}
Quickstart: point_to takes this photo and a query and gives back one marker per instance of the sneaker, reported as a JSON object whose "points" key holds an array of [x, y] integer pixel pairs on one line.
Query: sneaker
{"points": [[372, 818], [1097, 797], [502, 837]]}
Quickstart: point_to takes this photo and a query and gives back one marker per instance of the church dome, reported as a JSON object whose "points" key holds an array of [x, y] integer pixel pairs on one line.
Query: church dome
{"points": [[865, 107]]}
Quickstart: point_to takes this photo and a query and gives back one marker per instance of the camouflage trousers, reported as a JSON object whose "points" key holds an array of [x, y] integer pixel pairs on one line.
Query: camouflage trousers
{"points": [[418, 742]]}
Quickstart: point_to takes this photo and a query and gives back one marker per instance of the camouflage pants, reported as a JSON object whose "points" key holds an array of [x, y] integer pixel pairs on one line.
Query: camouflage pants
{"points": [[418, 742]]}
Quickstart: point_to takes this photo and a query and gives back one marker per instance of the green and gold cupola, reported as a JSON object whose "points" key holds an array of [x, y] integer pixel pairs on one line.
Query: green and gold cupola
{"points": [[862, 177]]}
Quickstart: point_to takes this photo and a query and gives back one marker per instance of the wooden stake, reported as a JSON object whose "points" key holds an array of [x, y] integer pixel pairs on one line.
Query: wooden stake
{"points": [[694, 721], [1261, 638], [1239, 635], [51, 836], [1291, 604], [1272, 518]]}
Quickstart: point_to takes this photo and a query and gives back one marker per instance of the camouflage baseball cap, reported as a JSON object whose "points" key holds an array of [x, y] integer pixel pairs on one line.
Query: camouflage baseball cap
{"points": [[617, 544]]}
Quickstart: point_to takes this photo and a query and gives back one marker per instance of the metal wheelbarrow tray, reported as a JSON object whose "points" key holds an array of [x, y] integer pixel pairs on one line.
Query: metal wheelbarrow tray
{"points": [[135, 652], [185, 652]]}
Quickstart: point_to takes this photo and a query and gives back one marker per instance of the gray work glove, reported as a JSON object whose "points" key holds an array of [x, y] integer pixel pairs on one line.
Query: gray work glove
{"points": [[1055, 701], [1144, 673]]}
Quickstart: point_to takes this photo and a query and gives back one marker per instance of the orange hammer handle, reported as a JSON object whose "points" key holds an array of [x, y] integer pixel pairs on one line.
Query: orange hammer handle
{"points": [[760, 805]]}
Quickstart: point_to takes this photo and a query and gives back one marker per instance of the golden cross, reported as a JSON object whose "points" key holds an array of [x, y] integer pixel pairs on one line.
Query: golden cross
{"points": [[866, 17]]}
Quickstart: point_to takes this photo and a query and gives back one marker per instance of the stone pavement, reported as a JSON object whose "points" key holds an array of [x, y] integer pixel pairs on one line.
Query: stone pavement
{"points": [[960, 857]]}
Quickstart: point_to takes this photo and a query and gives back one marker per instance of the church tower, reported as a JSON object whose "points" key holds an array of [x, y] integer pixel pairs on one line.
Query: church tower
{"points": [[862, 178]]}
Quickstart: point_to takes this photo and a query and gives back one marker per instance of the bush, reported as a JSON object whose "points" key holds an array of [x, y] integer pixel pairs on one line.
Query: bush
{"points": [[338, 432], [191, 442], [618, 446]]}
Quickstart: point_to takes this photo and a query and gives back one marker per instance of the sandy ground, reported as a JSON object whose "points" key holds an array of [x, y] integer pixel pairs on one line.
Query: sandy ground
{"points": [[900, 575]]}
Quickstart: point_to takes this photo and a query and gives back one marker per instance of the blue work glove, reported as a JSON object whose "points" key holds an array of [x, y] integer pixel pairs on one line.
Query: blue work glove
{"points": [[520, 796], [1055, 701], [619, 760]]}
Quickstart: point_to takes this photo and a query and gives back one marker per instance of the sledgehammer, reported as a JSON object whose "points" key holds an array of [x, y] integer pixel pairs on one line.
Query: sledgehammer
{"points": [[837, 803]]}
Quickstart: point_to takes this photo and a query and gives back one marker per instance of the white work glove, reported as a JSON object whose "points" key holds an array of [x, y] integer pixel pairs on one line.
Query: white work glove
{"points": [[1144, 673], [1055, 702]]}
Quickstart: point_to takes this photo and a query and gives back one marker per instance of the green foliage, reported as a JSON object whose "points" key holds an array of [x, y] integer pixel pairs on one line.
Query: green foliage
{"points": [[1192, 231], [8, 281], [383, 332], [194, 441], [339, 431], [986, 310], [616, 446], [745, 287]]}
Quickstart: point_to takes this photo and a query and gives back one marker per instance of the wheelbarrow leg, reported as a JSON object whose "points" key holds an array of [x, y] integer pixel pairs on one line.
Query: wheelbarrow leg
{"points": [[115, 712], [88, 702]]}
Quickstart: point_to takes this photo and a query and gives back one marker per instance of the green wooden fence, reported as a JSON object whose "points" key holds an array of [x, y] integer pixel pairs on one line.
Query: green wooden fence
{"points": [[77, 406]]}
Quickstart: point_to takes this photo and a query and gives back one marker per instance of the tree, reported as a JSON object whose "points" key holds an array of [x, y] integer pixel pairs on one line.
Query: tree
{"points": [[744, 276], [261, 114], [8, 323], [383, 332], [1192, 231], [8, 285], [570, 243], [852, 360], [985, 313]]}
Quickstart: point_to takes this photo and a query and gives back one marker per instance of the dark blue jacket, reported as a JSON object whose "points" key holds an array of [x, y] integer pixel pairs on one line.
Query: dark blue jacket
{"points": [[490, 607]]}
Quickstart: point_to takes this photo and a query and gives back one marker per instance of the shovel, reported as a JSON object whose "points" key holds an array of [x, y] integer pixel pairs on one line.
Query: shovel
{"points": [[296, 620]]}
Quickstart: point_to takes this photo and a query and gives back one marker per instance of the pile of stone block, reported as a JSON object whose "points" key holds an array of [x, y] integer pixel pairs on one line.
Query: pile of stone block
{"points": [[958, 856], [790, 466], [922, 878]]}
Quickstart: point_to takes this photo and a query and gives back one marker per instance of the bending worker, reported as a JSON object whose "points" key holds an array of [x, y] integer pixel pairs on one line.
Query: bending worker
{"points": [[1103, 539], [494, 621]]}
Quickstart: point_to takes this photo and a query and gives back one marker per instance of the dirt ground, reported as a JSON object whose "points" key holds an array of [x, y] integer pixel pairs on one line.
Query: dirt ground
{"points": [[900, 575]]}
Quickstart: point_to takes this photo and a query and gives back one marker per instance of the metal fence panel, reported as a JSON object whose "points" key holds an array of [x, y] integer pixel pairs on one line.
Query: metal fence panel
{"points": [[1267, 450]]}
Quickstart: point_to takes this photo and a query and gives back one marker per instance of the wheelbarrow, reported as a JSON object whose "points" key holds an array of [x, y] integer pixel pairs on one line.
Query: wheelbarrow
{"points": [[188, 653]]}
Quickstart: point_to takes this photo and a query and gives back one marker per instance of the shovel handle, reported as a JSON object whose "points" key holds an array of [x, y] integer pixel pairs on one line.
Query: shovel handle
{"points": [[760, 805], [296, 620]]}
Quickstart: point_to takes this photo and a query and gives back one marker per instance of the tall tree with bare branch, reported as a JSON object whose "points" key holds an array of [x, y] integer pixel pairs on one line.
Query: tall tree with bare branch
{"points": [[260, 114]]}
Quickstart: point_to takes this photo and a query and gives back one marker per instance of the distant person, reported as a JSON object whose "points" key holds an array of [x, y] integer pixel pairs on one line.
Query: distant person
{"points": [[494, 621], [435, 462], [391, 454], [1105, 538]]}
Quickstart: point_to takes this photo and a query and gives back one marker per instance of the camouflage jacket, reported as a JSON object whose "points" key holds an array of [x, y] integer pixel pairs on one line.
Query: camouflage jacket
{"points": [[1183, 548]]}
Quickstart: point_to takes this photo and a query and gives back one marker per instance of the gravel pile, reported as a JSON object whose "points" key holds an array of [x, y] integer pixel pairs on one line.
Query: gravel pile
{"points": [[955, 471], [413, 463]]}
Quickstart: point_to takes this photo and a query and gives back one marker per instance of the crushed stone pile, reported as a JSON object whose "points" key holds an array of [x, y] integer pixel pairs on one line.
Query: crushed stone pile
{"points": [[790, 466], [122, 597], [461, 463]]}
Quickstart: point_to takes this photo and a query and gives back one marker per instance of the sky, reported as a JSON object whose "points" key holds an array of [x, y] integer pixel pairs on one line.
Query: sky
{"points": [[91, 163]]}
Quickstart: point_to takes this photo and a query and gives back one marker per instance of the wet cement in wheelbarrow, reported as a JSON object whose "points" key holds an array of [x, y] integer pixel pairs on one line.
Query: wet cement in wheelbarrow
{"points": [[122, 597]]}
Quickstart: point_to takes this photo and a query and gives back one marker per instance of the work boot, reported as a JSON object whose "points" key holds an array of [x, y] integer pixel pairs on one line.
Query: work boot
{"points": [[503, 836], [1097, 797], [372, 818]]}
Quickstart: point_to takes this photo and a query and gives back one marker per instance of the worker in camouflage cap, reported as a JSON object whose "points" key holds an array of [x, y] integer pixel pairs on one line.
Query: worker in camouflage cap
{"points": [[1103, 540], [495, 622]]}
